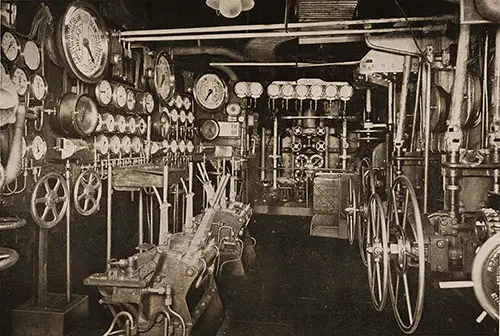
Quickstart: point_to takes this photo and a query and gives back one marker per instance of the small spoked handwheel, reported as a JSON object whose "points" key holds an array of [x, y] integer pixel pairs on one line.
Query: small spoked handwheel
{"points": [[352, 212], [367, 188], [49, 200], [377, 252], [87, 193], [407, 259]]}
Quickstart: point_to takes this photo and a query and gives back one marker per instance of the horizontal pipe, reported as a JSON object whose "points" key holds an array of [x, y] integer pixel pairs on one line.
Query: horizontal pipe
{"points": [[262, 27], [279, 34], [282, 64]]}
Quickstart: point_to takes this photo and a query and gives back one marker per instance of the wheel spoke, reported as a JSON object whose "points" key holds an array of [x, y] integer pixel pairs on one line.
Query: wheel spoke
{"points": [[45, 213], [379, 283], [86, 204], [47, 186], [408, 298], [60, 199], [54, 213], [41, 200], [58, 184], [396, 296], [405, 211], [394, 207], [81, 196]]}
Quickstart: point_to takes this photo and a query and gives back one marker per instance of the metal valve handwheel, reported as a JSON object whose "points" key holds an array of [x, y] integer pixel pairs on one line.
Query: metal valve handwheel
{"points": [[297, 130], [377, 252], [367, 188], [87, 193], [49, 200], [320, 146], [296, 146], [320, 131], [352, 212], [315, 161], [407, 255]]}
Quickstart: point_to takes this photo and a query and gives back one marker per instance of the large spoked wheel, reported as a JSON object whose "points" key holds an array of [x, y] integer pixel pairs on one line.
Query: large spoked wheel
{"points": [[367, 188], [87, 193], [377, 253], [49, 200], [407, 261], [352, 212]]}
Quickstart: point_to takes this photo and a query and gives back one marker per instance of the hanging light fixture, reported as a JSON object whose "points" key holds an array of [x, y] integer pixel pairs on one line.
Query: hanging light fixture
{"points": [[230, 8]]}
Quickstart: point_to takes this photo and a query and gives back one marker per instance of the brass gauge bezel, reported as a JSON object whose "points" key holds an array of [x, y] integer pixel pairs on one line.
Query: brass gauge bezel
{"points": [[203, 102], [32, 89], [27, 60], [17, 46], [159, 81]]}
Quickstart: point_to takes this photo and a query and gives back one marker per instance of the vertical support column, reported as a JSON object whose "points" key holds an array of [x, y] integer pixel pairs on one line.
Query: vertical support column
{"points": [[188, 223], [109, 214], [141, 216], [390, 129], [398, 140], [68, 235], [368, 110], [164, 229], [428, 76], [43, 247], [263, 155], [275, 152]]}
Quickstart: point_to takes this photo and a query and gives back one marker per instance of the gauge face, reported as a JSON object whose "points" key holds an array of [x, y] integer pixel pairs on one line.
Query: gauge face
{"points": [[273, 90], [287, 90], [316, 91], [84, 42], [103, 92], [210, 92], [10, 46], [38, 87], [149, 103], [120, 124], [190, 117], [331, 91], [210, 129], [233, 109], [187, 103], [120, 96], [102, 144], [142, 126], [20, 79], [126, 143], [182, 146], [164, 80], [174, 115], [179, 102], [256, 89], [182, 116], [189, 146], [346, 92], [2, 69], [136, 145], [302, 91], [38, 148], [131, 125], [173, 146], [85, 117], [109, 122], [114, 144], [130, 100], [241, 89], [31, 55]]}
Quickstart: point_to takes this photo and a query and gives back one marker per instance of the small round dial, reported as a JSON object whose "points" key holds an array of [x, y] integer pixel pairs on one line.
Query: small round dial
{"points": [[316, 91], [182, 116], [38, 87], [136, 145], [189, 146], [126, 144], [108, 122], [10, 46], [130, 100], [20, 79], [119, 96], [142, 126], [273, 90], [233, 109], [241, 89], [174, 115], [84, 41], [288, 91], [31, 55], [190, 117], [179, 102], [103, 92], [173, 146], [102, 144], [210, 92], [256, 89], [147, 102], [346, 92], [164, 80], [131, 125], [210, 129], [38, 148], [2, 69], [331, 91], [115, 144], [187, 103], [182, 146], [302, 91], [120, 124]]}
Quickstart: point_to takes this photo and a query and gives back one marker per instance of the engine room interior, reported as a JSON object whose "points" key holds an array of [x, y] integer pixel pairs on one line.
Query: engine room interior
{"points": [[249, 167]]}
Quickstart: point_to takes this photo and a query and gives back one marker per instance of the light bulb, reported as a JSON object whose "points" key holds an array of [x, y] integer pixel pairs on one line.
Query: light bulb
{"points": [[247, 4], [230, 8], [214, 4]]}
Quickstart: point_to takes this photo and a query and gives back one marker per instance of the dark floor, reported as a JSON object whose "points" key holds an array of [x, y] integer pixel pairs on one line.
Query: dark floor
{"points": [[305, 285]]}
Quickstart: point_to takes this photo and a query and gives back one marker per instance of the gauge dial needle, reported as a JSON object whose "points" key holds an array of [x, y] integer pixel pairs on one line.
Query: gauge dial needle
{"points": [[86, 45], [209, 94], [163, 77]]}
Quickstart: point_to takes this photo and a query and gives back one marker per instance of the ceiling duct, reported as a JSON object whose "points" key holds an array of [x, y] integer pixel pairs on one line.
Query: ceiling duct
{"points": [[325, 10]]}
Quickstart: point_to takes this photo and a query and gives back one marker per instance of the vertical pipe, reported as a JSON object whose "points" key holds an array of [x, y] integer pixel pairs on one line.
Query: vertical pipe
{"points": [[275, 153], [428, 75], [496, 86], [164, 229], [403, 100], [368, 115], [415, 109], [42, 266], [68, 235], [152, 226], [141, 216], [188, 224], [108, 214], [327, 151], [263, 156], [485, 106], [175, 214]]}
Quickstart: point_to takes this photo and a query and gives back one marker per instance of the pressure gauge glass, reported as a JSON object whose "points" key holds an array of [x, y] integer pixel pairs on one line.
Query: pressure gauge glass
{"points": [[149, 103], [102, 144], [346, 92], [109, 122], [85, 117], [31, 55], [2, 69], [126, 143], [190, 117], [182, 116], [142, 126], [174, 115], [189, 146], [120, 124], [182, 146], [233, 109], [84, 42], [20, 80], [131, 125], [130, 100], [273, 90], [120, 96], [38, 148], [38, 87], [331, 91], [164, 80], [10, 46], [302, 91], [103, 92], [210, 129], [179, 102], [173, 146], [316, 91], [256, 89], [114, 145], [136, 145], [187, 103], [241, 89], [287, 90], [210, 92]]}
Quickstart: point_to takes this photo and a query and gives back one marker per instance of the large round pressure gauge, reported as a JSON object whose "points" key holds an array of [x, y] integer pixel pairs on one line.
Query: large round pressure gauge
{"points": [[210, 92], [164, 80], [77, 115], [83, 42], [31, 55], [10, 46]]}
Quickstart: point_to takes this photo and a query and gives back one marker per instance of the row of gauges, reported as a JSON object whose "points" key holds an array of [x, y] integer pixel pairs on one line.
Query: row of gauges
{"points": [[123, 98], [172, 146], [162, 123], [29, 52], [310, 89], [116, 145], [23, 82], [108, 123]]}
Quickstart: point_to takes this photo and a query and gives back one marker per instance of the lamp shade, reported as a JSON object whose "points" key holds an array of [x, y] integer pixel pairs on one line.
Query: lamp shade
{"points": [[230, 8]]}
